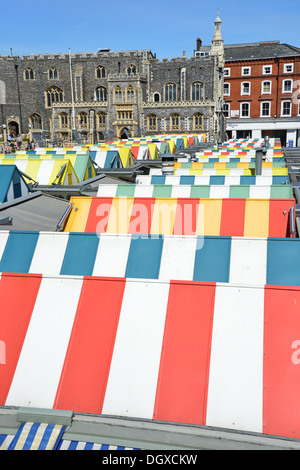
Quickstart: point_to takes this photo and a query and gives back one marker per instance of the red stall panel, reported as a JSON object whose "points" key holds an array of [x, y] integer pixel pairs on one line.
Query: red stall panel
{"points": [[233, 217], [135, 151], [18, 294], [186, 217], [141, 215], [84, 377], [279, 225], [98, 216], [281, 408], [183, 375]]}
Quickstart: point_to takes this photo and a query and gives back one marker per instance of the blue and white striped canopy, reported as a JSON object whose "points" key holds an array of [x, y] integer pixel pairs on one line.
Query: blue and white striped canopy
{"points": [[33, 436], [80, 445]]}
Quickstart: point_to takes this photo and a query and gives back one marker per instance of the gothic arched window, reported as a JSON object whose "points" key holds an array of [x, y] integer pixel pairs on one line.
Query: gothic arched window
{"points": [[101, 120], [152, 122], [130, 93], [100, 94], [35, 121], [131, 70], [28, 74], [64, 120], [197, 91], [83, 119], [52, 74], [118, 94], [54, 95], [175, 122], [100, 72], [170, 92], [198, 121]]}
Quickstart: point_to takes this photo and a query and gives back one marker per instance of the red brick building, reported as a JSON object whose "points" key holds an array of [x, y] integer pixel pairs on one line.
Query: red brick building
{"points": [[262, 91]]}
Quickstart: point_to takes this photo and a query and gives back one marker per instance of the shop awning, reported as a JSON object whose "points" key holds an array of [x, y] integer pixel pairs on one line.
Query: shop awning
{"points": [[80, 445], [34, 436]]}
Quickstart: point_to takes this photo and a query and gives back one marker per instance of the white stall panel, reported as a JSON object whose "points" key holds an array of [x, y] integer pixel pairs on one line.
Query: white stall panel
{"points": [[41, 360], [132, 381], [235, 389], [112, 255], [177, 267], [248, 261], [49, 253]]}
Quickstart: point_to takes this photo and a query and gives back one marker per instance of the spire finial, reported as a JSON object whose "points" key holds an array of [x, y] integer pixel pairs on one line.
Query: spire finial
{"points": [[218, 19]]}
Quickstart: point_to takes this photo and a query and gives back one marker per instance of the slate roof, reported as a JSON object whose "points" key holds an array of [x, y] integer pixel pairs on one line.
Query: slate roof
{"points": [[260, 50]]}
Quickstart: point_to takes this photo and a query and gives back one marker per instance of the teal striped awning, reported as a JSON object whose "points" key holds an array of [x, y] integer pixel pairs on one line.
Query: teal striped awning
{"points": [[33, 436]]}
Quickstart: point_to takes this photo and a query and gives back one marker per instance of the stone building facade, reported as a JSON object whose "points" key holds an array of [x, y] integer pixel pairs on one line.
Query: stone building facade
{"points": [[110, 95]]}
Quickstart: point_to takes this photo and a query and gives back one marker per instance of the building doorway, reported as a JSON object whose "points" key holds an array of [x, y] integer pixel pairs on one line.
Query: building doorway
{"points": [[13, 128], [125, 133]]}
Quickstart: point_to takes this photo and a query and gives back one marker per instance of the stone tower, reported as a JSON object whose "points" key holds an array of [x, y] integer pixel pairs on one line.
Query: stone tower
{"points": [[217, 44], [217, 51]]}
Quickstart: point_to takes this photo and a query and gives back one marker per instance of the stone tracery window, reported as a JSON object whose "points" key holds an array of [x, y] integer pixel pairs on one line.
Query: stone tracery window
{"points": [[35, 121], [170, 92], [130, 93], [101, 120], [100, 94], [118, 94], [83, 120], [54, 95], [28, 74], [174, 122], [64, 120], [197, 91], [53, 73], [198, 121], [151, 122], [131, 70], [100, 72]]}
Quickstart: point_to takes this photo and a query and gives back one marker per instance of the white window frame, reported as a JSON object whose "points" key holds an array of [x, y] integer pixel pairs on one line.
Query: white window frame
{"points": [[288, 65], [282, 105], [156, 93], [228, 104], [243, 92], [246, 74], [264, 69], [241, 110], [283, 85], [262, 87], [261, 108], [226, 94], [228, 72]]}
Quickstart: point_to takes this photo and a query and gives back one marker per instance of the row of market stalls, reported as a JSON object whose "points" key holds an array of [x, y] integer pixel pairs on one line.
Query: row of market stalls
{"points": [[69, 166], [162, 310]]}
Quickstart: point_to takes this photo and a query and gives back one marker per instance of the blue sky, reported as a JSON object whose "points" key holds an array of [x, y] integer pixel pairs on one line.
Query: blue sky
{"points": [[167, 27]]}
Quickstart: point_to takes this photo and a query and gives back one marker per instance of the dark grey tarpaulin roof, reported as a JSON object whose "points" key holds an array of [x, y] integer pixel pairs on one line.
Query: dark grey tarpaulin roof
{"points": [[37, 211]]}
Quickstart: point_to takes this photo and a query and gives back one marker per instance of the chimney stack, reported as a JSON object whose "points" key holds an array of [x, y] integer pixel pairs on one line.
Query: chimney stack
{"points": [[199, 44]]}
